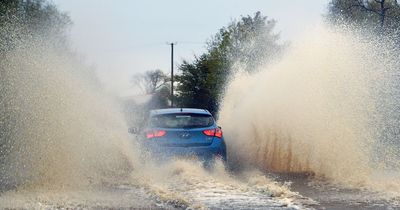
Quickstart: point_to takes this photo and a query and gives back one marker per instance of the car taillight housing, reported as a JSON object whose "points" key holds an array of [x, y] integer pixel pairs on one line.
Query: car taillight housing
{"points": [[155, 133], [217, 132]]}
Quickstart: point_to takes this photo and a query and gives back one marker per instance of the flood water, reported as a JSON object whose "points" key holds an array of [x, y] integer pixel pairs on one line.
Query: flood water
{"points": [[329, 196], [327, 108]]}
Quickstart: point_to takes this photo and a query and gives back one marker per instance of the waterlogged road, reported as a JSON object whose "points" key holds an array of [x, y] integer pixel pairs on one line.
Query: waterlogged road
{"points": [[180, 185], [106, 198], [333, 197], [129, 197], [186, 186], [295, 113], [132, 197]]}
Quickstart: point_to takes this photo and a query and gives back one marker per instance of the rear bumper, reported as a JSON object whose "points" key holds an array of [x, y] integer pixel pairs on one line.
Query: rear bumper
{"points": [[204, 153]]}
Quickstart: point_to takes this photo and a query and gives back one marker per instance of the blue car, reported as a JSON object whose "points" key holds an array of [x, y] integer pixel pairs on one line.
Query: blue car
{"points": [[184, 132]]}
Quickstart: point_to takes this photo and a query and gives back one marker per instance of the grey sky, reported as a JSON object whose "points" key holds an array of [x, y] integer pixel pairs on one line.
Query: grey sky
{"points": [[123, 37]]}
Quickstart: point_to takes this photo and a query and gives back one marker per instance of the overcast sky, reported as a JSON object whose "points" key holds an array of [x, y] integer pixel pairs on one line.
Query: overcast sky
{"points": [[124, 37]]}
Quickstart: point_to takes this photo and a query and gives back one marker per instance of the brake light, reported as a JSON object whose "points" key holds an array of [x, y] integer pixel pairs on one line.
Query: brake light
{"points": [[155, 133], [210, 132], [217, 132]]}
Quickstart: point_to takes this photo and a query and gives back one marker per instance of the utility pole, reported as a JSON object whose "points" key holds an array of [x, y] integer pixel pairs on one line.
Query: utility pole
{"points": [[172, 72]]}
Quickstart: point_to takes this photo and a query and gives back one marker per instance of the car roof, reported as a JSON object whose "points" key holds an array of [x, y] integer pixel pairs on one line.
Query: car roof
{"points": [[179, 110]]}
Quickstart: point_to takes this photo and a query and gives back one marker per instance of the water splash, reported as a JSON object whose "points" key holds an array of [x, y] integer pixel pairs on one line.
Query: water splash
{"points": [[186, 184], [322, 109], [64, 144], [57, 129]]}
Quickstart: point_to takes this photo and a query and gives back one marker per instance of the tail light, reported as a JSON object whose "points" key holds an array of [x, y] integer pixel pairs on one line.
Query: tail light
{"points": [[155, 134], [217, 132]]}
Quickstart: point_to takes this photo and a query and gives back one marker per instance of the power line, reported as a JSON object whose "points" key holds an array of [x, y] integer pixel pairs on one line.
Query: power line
{"points": [[138, 46]]}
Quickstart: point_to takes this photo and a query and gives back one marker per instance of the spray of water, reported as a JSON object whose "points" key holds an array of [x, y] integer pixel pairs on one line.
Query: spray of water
{"points": [[321, 109], [57, 129], [64, 144]]}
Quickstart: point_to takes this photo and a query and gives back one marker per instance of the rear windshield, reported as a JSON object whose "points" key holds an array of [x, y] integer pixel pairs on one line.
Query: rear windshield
{"points": [[181, 120]]}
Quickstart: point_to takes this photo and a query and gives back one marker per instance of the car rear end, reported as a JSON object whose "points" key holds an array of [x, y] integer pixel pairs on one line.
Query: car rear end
{"points": [[189, 133]]}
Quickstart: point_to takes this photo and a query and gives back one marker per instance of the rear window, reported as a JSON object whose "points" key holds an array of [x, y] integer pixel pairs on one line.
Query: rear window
{"points": [[181, 120]]}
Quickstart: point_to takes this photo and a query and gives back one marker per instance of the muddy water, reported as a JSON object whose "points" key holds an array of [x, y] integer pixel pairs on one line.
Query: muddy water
{"points": [[121, 197], [329, 108], [190, 185], [179, 184], [326, 109], [64, 144], [330, 196]]}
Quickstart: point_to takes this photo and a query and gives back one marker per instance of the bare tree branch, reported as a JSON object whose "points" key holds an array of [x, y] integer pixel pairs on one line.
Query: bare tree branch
{"points": [[364, 8], [149, 81], [381, 12]]}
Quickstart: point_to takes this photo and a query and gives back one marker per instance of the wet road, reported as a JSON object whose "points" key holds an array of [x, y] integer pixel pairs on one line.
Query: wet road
{"points": [[111, 198], [131, 197], [180, 185], [333, 197], [190, 187]]}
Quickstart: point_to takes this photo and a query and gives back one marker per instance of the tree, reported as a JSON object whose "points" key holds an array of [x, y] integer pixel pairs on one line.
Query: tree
{"points": [[40, 19], [154, 83], [248, 43], [366, 13], [245, 45], [149, 81], [197, 84]]}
